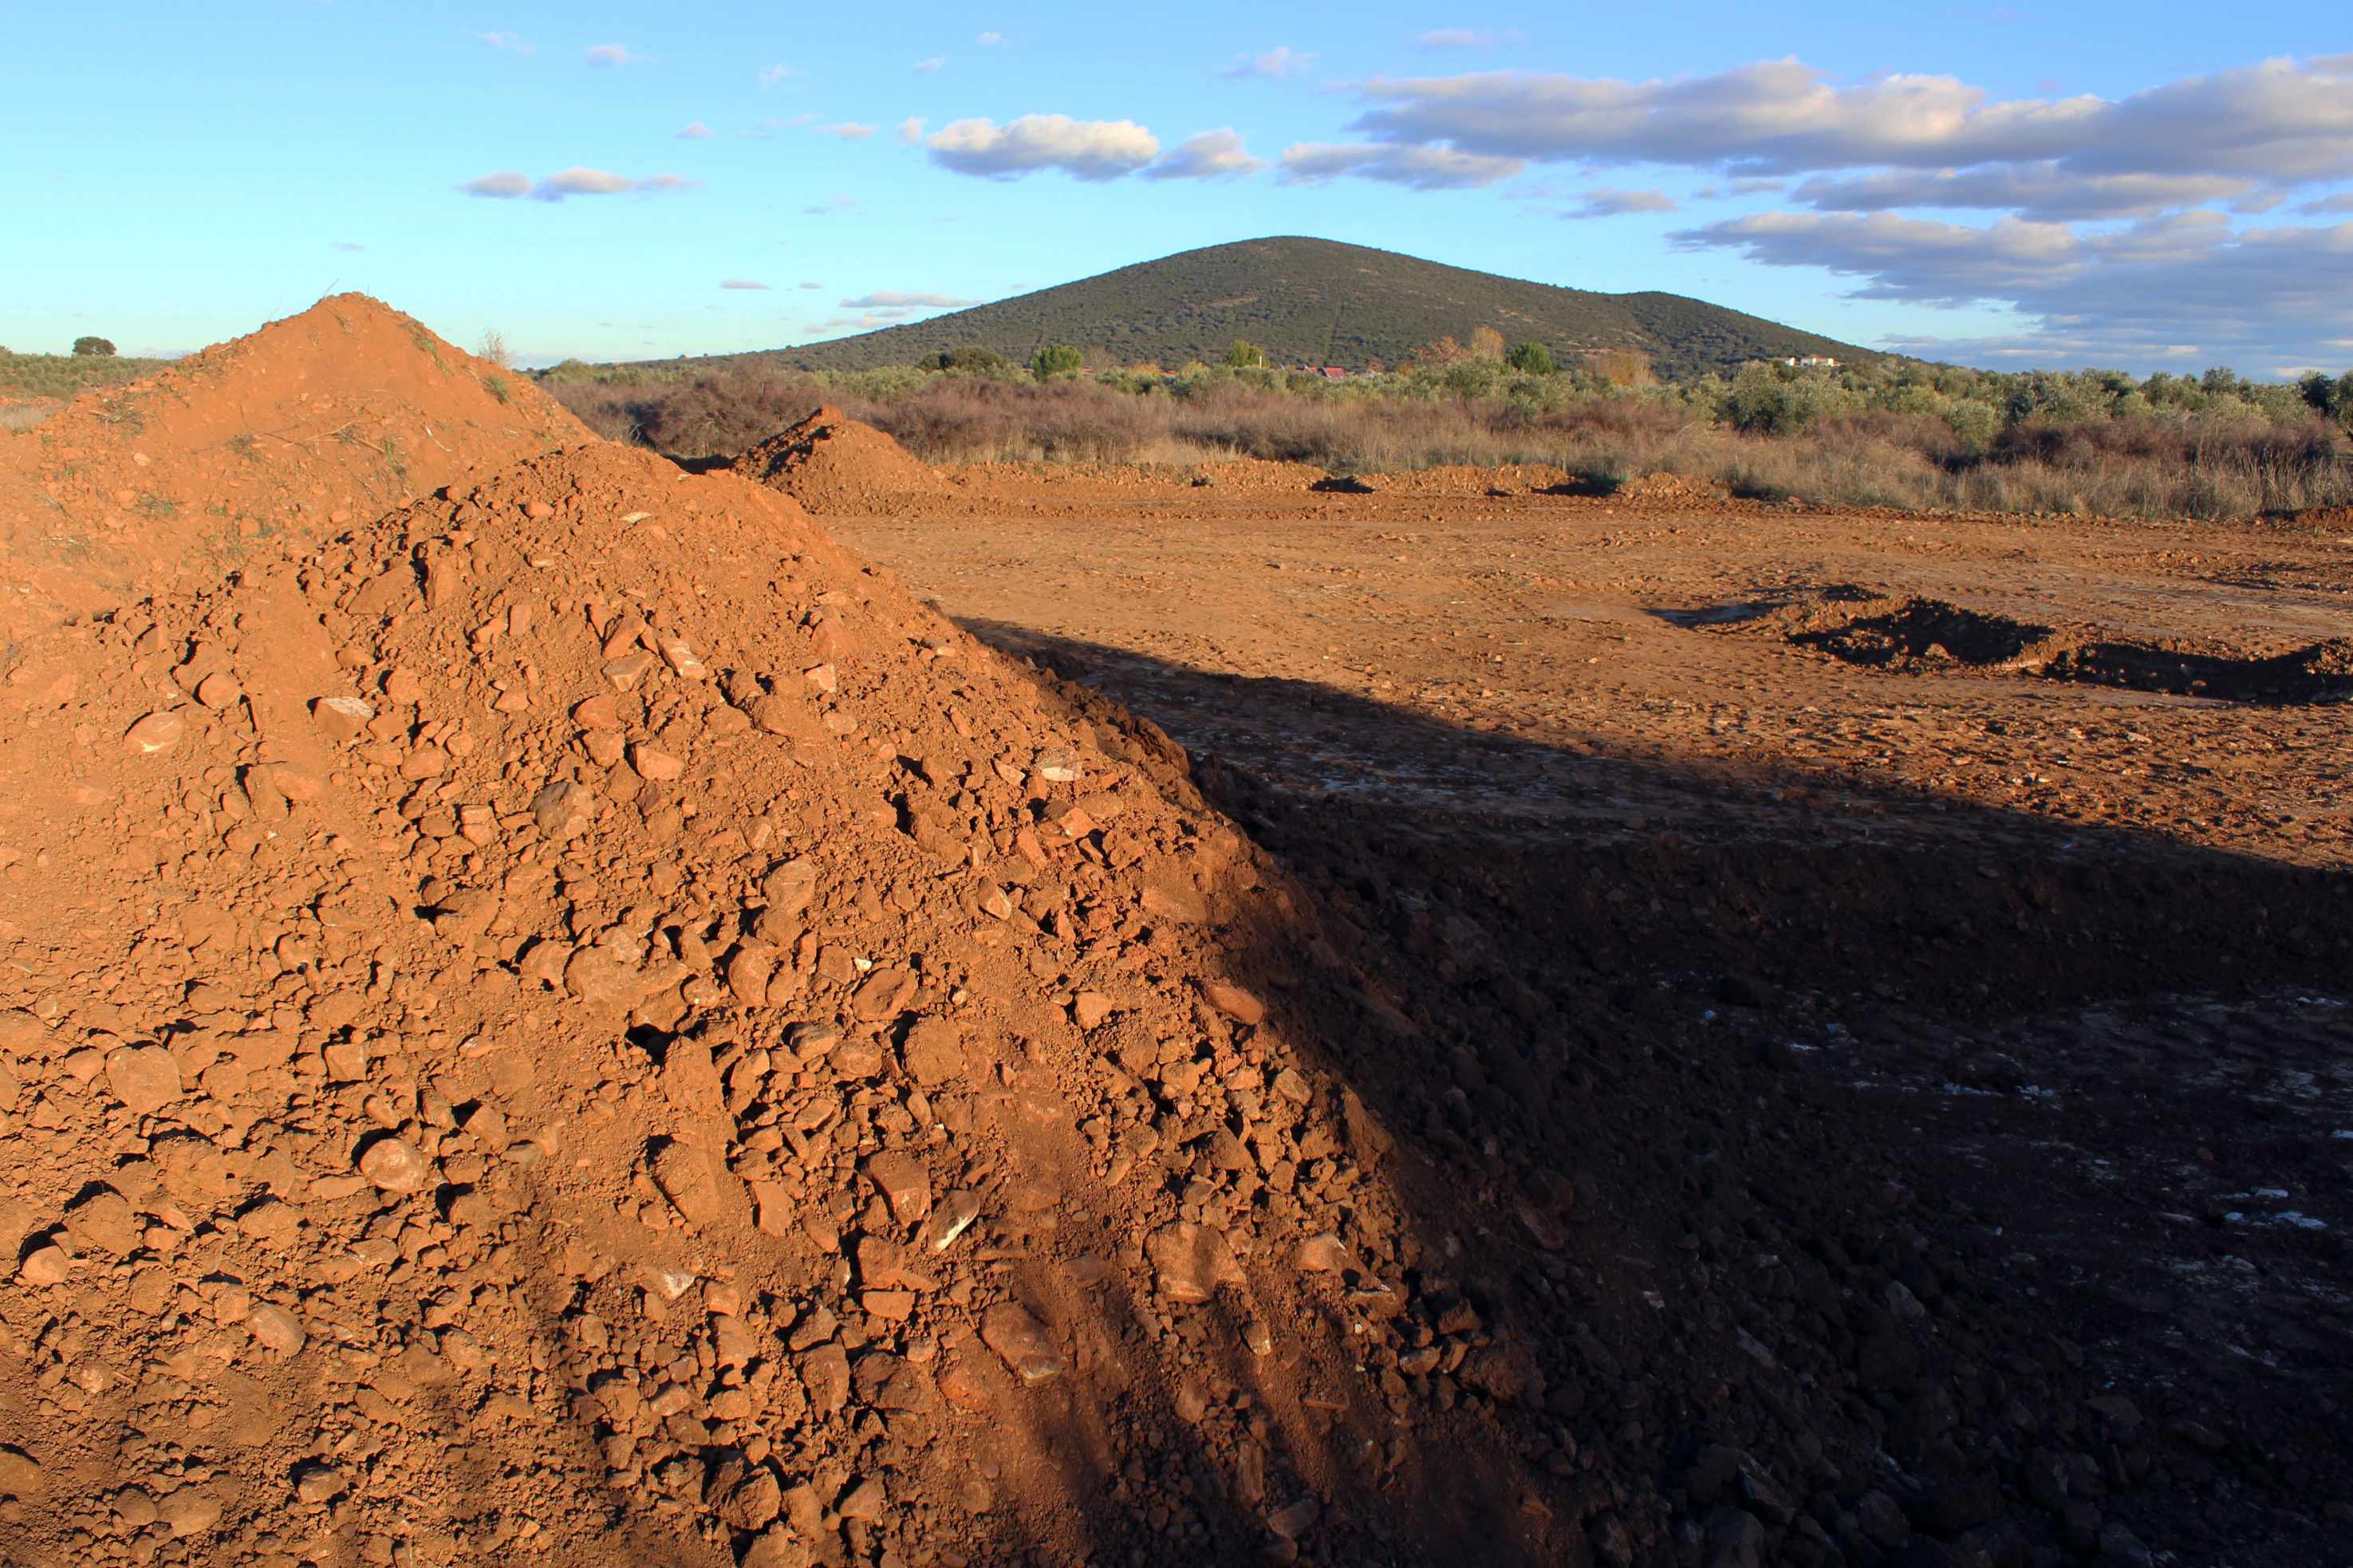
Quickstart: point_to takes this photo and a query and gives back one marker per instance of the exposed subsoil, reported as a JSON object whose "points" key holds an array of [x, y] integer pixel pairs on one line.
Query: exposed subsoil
{"points": [[573, 1020], [1913, 636], [2060, 963], [312, 423], [832, 463]]}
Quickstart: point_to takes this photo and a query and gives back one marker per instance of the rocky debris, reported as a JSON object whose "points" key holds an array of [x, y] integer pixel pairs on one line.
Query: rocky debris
{"points": [[20, 1473], [144, 1078], [317, 1482], [153, 733], [289, 434], [276, 1326], [1234, 1001], [1010, 1330], [833, 465], [1670, 489], [690, 1179], [1191, 1261], [391, 1085]]}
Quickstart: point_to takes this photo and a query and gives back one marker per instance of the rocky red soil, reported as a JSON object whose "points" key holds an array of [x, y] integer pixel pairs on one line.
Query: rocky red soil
{"points": [[312, 423], [832, 463], [2011, 851], [574, 1019]]}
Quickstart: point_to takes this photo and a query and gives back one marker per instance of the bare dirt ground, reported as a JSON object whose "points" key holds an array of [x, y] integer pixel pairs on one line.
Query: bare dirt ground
{"points": [[549, 1012], [1948, 819]]}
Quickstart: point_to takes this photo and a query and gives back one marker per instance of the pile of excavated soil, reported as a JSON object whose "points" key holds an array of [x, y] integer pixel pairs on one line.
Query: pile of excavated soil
{"points": [[576, 1021], [584, 1019], [1671, 489], [1466, 479], [310, 424], [831, 464], [1234, 475], [572, 1021], [1913, 635]]}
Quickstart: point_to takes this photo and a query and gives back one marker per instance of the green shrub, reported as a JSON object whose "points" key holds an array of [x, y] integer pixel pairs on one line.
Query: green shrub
{"points": [[97, 348], [974, 360], [1530, 358], [1056, 360]]}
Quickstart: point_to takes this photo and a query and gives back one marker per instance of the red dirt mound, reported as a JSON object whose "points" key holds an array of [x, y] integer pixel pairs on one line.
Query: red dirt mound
{"points": [[835, 465], [600, 1022], [307, 424], [576, 1021], [1465, 479], [1671, 489]]}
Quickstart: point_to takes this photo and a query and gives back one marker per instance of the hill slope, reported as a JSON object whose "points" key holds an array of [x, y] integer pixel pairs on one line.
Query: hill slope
{"points": [[1321, 303]]}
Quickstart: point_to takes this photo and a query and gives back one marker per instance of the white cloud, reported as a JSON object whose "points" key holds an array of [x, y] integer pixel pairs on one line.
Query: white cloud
{"points": [[2283, 121], [769, 75], [1083, 149], [1274, 65], [504, 185], [911, 130], [1208, 156], [809, 286], [612, 55], [2177, 286], [1419, 168], [741, 283], [930, 63], [866, 323], [1866, 163], [1468, 37], [578, 181], [848, 130], [889, 300], [1609, 202], [830, 205], [989, 40], [2040, 190], [1902, 257], [697, 131], [507, 41], [347, 246]]}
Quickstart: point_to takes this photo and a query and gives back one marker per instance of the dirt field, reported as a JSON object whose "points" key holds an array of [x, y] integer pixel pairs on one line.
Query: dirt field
{"points": [[552, 1011], [1947, 821]]}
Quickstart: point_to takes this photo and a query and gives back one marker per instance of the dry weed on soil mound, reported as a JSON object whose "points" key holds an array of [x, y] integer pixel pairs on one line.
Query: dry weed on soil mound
{"points": [[830, 463], [310, 424]]}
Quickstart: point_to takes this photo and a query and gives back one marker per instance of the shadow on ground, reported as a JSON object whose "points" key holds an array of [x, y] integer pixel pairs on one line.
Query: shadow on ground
{"points": [[1676, 1291]]}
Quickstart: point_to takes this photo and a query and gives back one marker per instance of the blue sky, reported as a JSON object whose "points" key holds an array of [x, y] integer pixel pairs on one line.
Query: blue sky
{"points": [[2147, 185]]}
